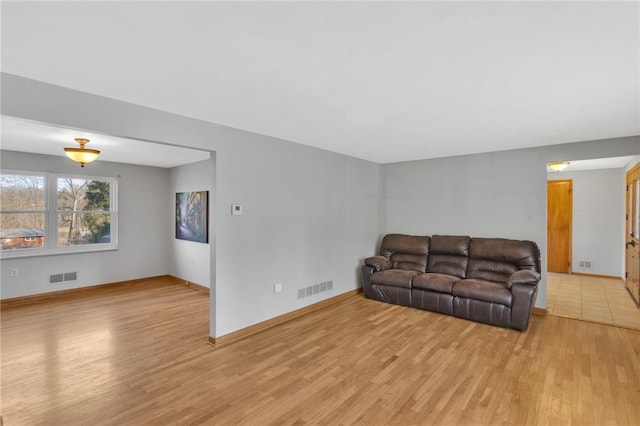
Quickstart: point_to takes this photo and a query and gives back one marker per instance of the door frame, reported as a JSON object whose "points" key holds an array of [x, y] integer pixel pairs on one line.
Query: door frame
{"points": [[631, 231]]}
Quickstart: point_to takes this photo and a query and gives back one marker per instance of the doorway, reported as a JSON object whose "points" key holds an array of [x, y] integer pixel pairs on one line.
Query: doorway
{"points": [[594, 287], [559, 223], [632, 243]]}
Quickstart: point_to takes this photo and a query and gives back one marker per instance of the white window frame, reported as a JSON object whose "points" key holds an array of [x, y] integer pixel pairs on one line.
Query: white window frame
{"points": [[51, 211]]}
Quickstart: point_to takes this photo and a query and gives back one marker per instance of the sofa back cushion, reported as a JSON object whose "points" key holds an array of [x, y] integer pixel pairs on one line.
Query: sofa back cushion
{"points": [[406, 252], [495, 259], [449, 255]]}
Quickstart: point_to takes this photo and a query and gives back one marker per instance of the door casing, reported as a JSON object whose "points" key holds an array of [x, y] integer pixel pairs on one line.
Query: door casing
{"points": [[632, 233]]}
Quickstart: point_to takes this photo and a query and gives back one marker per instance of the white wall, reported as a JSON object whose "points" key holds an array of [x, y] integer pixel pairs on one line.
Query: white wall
{"points": [[497, 194], [310, 215], [598, 220], [143, 238], [190, 260]]}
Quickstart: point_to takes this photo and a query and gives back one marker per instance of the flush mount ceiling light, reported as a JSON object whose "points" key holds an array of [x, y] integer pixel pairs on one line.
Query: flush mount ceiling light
{"points": [[558, 166], [82, 155]]}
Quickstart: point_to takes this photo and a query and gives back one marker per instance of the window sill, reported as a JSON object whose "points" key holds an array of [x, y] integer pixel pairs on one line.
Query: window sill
{"points": [[25, 253]]}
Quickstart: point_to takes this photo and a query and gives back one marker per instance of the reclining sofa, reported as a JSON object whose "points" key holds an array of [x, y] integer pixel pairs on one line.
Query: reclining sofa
{"points": [[489, 280]]}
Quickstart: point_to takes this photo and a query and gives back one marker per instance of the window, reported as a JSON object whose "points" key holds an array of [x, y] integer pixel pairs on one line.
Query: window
{"points": [[49, 214], [23, 204]]}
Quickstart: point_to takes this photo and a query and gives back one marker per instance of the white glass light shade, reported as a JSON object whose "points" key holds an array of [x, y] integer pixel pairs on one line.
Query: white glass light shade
{"points": [[558, 166]]}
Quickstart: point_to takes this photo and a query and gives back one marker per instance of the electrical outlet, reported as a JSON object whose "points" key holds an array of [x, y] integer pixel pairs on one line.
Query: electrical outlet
{"points": [[277, 287], [14, 272]]}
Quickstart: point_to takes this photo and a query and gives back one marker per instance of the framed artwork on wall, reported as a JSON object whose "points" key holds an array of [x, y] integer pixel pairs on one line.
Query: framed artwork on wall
{"points": [[192, 216]]}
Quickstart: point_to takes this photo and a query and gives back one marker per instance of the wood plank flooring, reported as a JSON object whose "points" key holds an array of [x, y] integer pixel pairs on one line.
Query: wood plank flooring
{"points": [[138, 355]]}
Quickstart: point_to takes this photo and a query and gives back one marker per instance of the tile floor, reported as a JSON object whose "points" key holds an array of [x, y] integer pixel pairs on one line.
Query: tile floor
{"points": [[603, 300]]}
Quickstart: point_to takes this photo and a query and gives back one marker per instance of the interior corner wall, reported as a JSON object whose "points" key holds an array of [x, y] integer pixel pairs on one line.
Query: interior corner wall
{"points": [[598, 220], [189, 260], [310, 215], [497, 194], [142, 240]]}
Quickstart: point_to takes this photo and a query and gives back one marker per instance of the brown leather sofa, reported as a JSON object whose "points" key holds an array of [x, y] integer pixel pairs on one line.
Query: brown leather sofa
{"points": [[489, 280]]}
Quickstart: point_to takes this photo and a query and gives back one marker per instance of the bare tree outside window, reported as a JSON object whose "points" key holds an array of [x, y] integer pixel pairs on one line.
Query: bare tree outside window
{"points": [[81, 214], [83, 211], [22, 211]]}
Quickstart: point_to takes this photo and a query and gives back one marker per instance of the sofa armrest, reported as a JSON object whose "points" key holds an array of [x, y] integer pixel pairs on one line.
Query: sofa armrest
{"points": [[523, 276], [524, 298], [378, 263], [367, 271]]}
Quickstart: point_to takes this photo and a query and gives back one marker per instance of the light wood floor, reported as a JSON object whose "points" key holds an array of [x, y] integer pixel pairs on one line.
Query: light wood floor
{"points": [[138, 356], [604, 300]]}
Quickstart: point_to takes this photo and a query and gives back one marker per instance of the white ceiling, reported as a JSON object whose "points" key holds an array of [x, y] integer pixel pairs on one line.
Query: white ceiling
{"points": [[382, 81], [30, 136], [598, 163]]}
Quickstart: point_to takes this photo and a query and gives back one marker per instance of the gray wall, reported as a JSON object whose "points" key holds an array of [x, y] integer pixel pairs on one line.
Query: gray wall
{"points": [[598, 220], [500, 194], [310, 215], [189, 260], [482, 195], [143, 238]]}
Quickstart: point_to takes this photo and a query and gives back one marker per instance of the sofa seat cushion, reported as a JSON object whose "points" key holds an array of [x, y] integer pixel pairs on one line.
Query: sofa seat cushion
{"points": [[485, 291], [394, 278], [435, 282]]}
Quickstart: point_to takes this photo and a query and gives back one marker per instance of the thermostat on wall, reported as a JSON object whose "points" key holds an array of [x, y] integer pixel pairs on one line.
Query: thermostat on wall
{"points": [[236, 209]]}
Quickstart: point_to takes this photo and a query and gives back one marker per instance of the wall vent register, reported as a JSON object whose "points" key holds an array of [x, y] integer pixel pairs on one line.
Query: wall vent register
{"points": [[315, 289], [63, 278]]}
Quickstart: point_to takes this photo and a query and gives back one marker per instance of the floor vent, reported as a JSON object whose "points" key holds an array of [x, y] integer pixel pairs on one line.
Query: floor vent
{"points": [[585, 264], [63, 278], [315, 289]]}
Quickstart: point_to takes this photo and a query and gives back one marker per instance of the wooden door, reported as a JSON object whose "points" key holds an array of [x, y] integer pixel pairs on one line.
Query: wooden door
{"points": [[559, 220], [632, 243]]}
